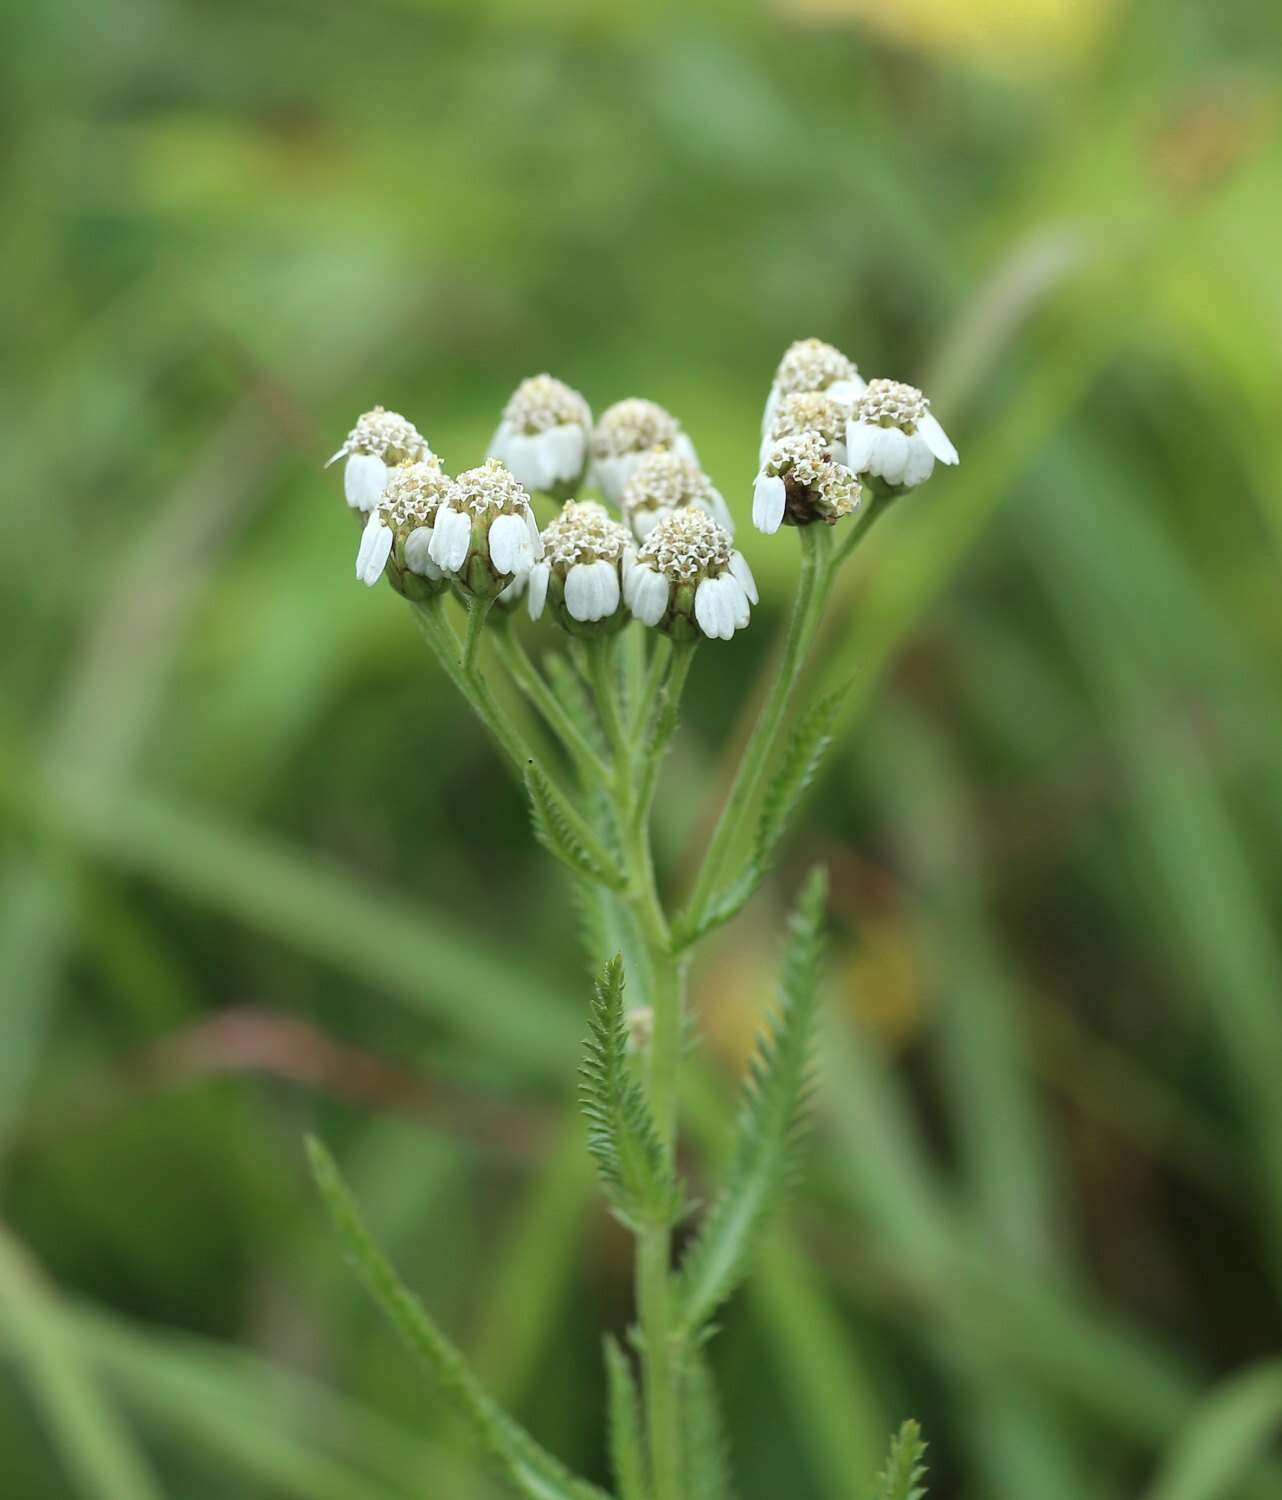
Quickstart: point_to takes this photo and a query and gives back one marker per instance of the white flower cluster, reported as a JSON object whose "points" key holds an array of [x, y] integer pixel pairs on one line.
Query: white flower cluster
{"points": [[628, 432], [663, 482], [686, 576], [825, 429], [543, 437], [827, 434]]}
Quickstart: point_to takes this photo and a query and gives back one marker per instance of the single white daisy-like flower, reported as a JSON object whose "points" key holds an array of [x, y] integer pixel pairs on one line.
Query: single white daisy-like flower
{"points": [[687, 579], [811, 411], [892, 436], [811, 366], [398, 535], [579, 580], [664, 482], [801, 482], [543, 437], [625, 433], [485, 533], [380, 442]]}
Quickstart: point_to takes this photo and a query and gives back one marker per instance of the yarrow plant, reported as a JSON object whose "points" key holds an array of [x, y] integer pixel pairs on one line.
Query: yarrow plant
{"points": [[633, 595]]}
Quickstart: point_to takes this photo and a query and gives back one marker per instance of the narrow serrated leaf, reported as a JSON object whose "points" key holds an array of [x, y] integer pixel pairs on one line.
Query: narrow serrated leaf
{"points": [[768, 1126], [707, 1451], [564, 834], [627, 1450], [528, 1468], [797, 768], [568, 687], [902, 1477], [621, 1132]]}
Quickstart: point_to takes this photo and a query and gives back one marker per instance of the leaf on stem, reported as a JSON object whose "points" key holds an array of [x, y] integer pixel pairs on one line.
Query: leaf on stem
{"points": [[707, 1450], [768, 1129], [627, 1450], [528, 1468], [566, 836], [568, 688], [796, 770], [622, 1136], [902, 1477]]}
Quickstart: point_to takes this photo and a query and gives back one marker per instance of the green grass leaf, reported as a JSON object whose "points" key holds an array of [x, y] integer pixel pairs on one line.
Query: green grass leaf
{"points": [[627, 1450], [1225, 1440], [528, 1468], [902, 1477], [768, 1125], [622, 1136]]}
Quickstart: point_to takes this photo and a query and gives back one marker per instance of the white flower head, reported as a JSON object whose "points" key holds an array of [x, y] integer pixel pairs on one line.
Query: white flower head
{"points": [[624, 434], [543, 437], [398, 534], [893, 438], [580, 578], [801, 482], [811, 366], [687, 579], [485, 534], [380, 442], [663, 482]]}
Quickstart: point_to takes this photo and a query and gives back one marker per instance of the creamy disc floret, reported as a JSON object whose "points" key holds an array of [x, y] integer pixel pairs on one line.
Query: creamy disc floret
{"points": [[543, 437], [892, 436], [485, 532], [624, 434], [811, 411], [579, 580], [663, 482], [380, 442], [801, 482], [687, 579], [398, 535]]}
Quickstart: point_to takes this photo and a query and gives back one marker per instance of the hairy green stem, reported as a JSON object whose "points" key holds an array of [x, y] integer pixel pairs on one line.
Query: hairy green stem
{"points": [[660, 656], [812, 591], [661, 1365], [673, 689], [477, 610], [526, 675]]}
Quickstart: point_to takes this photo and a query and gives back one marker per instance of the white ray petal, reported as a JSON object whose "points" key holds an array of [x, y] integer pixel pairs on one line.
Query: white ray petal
{"points": [[537, 596], [769, 496], [510, 549], [364, 480], [418, 554], [937, 440], [375, 549], [739, 569]]}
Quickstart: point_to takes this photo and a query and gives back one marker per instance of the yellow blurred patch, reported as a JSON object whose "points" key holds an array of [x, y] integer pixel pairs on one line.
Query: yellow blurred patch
{"points": [[997, 32]]}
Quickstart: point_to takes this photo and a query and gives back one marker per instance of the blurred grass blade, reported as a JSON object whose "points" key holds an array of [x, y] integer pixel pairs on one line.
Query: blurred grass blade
{"points": [[1225, 1439], [773, 1097], [627, 1447], [533, 1472], [707, 1449], [39, 1336], [294, 896], [902, 1477]]}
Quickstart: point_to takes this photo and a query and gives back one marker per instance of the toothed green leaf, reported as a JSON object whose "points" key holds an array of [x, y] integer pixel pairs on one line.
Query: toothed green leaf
{"points": [[627, 1451], [621, 1133], [573, 698], [765, 1143], [797, 769], [707, 1452], [902, 1477], [564, 834], [528, 1468]]}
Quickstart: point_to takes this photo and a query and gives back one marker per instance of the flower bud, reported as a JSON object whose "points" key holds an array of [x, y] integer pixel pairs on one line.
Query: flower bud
{"points": [[485, 533], [543, 437], [664, 482], [398, 535], [380, 442], [812, 366], [892, 436], [579, 579], [625, 433], [687, 579], [800, 483]]}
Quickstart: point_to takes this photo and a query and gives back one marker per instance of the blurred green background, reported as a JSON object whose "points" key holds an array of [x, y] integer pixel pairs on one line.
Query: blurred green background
{"points": [[262, 873]]}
